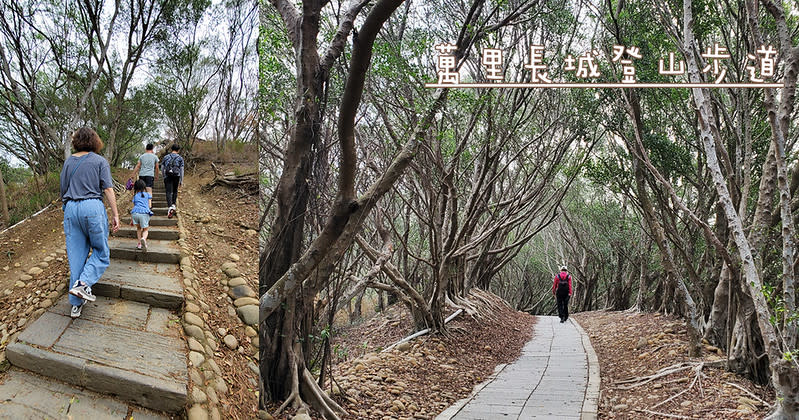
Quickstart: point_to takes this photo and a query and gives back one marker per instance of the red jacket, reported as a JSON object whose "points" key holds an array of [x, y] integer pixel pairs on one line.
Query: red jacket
{"points": [[557, 278]]}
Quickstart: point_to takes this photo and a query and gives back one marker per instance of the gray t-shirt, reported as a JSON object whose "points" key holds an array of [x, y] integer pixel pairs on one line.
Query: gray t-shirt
{"points": [[88, 176], [148, 162]]}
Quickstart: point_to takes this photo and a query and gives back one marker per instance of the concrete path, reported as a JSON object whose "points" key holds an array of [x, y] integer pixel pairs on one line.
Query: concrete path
{"points": [[126, 350], [556, 377]]}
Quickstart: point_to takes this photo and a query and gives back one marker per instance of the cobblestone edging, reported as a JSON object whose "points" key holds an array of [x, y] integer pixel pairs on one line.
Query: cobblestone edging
{"points": [[205, 376], [26, 309]]}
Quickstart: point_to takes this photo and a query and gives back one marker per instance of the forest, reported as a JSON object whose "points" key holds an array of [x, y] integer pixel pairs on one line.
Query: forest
{"points": [[674, 200]]}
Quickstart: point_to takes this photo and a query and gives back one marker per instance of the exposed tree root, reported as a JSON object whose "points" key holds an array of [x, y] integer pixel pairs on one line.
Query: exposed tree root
{"points": [[679, 367], [655, 413], [697, 379], [319, 399]]}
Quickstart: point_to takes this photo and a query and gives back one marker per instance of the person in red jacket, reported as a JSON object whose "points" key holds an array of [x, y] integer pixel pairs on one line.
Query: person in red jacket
{"points": [[562, 290]]}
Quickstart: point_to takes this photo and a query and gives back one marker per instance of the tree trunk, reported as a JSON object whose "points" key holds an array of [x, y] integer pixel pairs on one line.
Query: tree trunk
{"points": [[4, 202]]}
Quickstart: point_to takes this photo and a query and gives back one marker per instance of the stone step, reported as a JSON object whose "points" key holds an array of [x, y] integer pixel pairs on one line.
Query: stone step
{"points": [[151, 283], [154, 232], [160, 211], [154, 221], [157, 251], [26, 395], [127, 349]]}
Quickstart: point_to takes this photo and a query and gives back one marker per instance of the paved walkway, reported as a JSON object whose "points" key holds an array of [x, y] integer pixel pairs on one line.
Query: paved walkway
{"points": [[556, 377]]}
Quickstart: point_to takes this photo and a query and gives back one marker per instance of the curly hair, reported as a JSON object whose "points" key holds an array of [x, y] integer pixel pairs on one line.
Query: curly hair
{"points": [[85, 139]]}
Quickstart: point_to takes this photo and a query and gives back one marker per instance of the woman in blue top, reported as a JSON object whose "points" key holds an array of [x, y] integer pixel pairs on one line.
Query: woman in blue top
{"points": [[140, 214], [86, 176]]}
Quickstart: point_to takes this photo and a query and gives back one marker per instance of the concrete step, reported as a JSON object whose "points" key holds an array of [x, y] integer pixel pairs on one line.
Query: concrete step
{"points": [[154, 221], [157, 251], [154, 232], [127, 349], [151, 283], [25, 395]]}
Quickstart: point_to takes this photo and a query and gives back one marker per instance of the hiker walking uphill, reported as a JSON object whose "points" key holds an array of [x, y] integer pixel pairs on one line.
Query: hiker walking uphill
{"points": [[172, 169], [147, 168], [562, 289], [86, 176]]}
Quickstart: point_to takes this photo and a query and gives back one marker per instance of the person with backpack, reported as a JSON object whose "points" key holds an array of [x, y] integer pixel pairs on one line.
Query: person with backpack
{"points": [[172, 169], [562, 290], [140, 214], [147, 168], [85, 178]]}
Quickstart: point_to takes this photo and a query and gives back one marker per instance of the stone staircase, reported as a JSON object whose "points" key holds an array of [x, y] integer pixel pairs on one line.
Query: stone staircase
{"points": [[128, 343]]}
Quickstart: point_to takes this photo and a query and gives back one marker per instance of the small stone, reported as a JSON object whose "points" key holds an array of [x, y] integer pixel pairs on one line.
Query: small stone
{"points": [[43, 264], [19, 284], [241, 291], [191, 307], [227, 265], [397, 406], [46, 303], [643, 355], [642, 342], [404, 346], [249, 314], [195, 345], [198, 396], [221, 331], [196, 358], [232, 272], [251, 232], [193, 319], [234, 257], [7, 292], [195, 377], [197, 412], [21, 322], [263, 415], [620, 407], [231, 342], [250, 331], [685, 403], [35, 271], [236, 281], [220, 386], [194, 331], [24, 277], [245, 301], [209, 391]]}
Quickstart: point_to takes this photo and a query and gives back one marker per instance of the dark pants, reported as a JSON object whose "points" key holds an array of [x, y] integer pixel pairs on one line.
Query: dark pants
{"points": [[171, 184], [563, 306]]}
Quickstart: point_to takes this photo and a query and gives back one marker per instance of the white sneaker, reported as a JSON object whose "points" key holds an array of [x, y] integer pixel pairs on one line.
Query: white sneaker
{"points": [[75, 312], [82, 291]]}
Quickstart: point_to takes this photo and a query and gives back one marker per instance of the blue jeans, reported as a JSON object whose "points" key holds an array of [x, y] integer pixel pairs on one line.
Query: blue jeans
{"points": [[86, 228]]}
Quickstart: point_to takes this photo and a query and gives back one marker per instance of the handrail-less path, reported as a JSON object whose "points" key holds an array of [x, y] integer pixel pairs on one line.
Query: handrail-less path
{"points": [[556, 377]]}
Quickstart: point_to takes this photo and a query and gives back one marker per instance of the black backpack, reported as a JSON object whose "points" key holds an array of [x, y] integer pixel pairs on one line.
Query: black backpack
{"points": [[563, 284]]}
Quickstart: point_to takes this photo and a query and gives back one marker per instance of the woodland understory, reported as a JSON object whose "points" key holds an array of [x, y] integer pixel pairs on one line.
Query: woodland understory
{"points": [[677, 201]]}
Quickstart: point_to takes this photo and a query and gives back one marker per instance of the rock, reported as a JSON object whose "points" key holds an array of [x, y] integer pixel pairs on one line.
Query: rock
{"points": [[7, 292], [195, 345], [35, 271], [643, 355], [198, 396], [221, 331], [250, 331], [685, 403], [231, 342], [404, 346], [253, 368], [43, 264], [620, 407], [642, 342], [209, 391], [241, 291], [301, 416], [197, 412], [263, 415], [191, 307], [248, 314], [193, 319], [196, 358], [227, 265], [657, 386], [19, 284], [749, 402], [232, 272], [236, 281], [397, 406], [245, 301], [220, 386], [21, 322], [195, 377], [234, 257], [251, 232], [25, 277]]}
